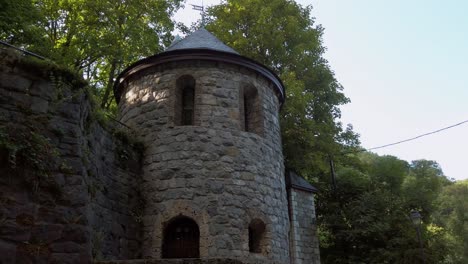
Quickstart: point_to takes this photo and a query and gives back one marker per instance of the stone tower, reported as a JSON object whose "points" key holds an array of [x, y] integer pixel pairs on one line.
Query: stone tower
{"points": [[213, 174]]}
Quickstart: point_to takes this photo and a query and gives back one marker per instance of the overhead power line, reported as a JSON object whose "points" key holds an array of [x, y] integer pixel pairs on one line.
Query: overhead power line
{"points": [[409, 139], [420, 136]]}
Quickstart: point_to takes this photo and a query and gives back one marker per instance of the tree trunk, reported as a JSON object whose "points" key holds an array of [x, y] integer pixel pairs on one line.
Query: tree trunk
{"points": [[110, 82]]}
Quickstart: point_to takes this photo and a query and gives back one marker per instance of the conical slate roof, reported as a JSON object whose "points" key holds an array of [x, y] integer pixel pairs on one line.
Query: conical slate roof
{"points": [[201, 39], [200, 45]]}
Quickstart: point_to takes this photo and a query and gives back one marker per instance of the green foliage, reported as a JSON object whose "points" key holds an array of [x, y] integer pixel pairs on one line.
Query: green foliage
{"points": [[104, 117], [423, 185], [94, 188], [365, 218], [452, 215], [25, 148], [59, 74], [95, 38], [368, 214], [282, 35], [97, 239], [17, 21], [127, 147]]}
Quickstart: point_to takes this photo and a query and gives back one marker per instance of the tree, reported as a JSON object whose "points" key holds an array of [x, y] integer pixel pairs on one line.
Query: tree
{"points": [[367, 218], [99, 38], [452, 208], [17, 21], [423, 185], [365, 215], [281, 34]]}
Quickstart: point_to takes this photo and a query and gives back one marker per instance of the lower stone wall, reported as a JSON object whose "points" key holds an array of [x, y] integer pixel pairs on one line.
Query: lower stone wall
{"points": [[174, 261], [115, 206], [68, 187], [303, 238]]}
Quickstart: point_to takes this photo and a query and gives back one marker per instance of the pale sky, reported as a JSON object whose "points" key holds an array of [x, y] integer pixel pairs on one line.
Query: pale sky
{"points": [[404, 65]]}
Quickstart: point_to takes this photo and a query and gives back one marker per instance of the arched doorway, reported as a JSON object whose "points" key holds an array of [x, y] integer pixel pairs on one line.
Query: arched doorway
{"points": [[181, 239]]}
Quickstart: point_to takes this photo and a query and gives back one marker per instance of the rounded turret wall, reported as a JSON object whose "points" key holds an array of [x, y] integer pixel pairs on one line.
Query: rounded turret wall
{"points": [[213, 155]]}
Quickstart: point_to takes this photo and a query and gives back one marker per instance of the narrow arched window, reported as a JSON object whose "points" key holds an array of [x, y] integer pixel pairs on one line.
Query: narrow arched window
{"points": [[181, 239], [185, 101], [248, 113], [251, 114], [256, 236]]}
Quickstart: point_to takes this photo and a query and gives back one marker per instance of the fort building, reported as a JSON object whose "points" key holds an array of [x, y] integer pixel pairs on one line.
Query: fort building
{"points": [[210, 185], [213, 167]]}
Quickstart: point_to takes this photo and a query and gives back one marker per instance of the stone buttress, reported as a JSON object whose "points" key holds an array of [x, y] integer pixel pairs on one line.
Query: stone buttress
{"points": [[303, 239]]}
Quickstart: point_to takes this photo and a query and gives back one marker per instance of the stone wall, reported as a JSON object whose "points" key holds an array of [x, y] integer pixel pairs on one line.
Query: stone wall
{"points": [[304, 240], [68, 187], [115, 205], [175, 261], [214, 172]]}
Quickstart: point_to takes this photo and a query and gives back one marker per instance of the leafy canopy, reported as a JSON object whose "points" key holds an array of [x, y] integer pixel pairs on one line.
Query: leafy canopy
{"points": [[97, 38], [282, 35]]}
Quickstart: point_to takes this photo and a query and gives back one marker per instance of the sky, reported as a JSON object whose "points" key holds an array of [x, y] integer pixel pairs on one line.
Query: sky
{"points": [[404, 65]]}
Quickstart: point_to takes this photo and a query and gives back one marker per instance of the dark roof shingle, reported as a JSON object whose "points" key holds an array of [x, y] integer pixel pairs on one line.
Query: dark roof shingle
{"points": [[297, 182], [201, 39]]}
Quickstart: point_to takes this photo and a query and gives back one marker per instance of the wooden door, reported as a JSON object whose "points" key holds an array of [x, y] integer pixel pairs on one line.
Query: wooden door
{"points": [[181, 239]]}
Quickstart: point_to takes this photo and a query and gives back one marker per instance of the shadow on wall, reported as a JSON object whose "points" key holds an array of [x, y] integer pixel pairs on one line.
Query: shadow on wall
{"points": [[65, 178]]}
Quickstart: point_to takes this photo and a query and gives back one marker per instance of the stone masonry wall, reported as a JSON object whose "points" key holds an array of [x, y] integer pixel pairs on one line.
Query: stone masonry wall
{"points": [[175, 261], [115, 205], [304, 241], [67, 186], [215, 173]]}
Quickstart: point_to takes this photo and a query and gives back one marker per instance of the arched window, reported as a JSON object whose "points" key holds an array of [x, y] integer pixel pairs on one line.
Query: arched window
{"points": [[181, 239], [185, 101], [256, 236], [251, 115]]}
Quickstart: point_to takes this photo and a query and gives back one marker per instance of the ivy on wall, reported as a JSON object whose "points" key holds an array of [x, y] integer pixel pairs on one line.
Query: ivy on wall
{"points": [[24, 151]]}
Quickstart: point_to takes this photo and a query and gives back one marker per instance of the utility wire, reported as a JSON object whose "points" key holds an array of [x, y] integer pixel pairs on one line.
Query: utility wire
{"points": [[409, 139], [420, 136], [201, 8], [23, 50]]}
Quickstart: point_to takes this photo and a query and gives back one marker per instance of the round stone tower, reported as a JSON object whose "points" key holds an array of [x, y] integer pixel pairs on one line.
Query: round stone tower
{"points": [[213, 174]]}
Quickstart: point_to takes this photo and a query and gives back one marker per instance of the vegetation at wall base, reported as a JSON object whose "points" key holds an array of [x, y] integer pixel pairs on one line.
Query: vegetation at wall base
{"points": [[25, 152]]}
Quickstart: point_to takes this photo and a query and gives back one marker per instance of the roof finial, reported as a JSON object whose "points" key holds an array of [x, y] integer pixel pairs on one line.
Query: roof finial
{"points": [[202, 10]]}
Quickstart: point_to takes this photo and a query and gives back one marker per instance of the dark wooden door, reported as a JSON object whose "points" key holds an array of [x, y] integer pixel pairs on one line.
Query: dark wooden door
{"points": [[181, 239]]}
